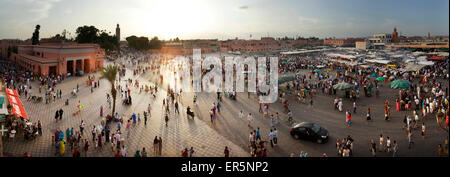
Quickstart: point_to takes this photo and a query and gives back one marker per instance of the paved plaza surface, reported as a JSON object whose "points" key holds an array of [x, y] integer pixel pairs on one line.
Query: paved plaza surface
{"points": [[229, 130], [180, 132]]}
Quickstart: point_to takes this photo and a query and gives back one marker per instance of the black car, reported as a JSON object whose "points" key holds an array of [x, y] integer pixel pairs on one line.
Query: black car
{"points": [[310, 131]]}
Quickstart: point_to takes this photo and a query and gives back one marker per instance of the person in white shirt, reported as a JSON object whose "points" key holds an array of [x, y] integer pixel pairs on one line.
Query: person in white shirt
{"points": [[249, 118], [241, 115], [275, 136], [123, 151], [388, 144]]}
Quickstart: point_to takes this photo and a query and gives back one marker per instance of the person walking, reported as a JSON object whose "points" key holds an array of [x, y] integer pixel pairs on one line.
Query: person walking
{"points": [[101, 111], [167, 118], [440, 151], [123, 151], [155, 145], [258, 135], [348, 118], [82, 127], [191, 152], [226, 152], [381, 143], [275, 136], [86, 146], [388, 145], [61, 113], [271, 138], [145, 118], [160, 145], [373, 148], [57, 115], [423, 130], [369, 117], [410, 140], [395, 149], [249, 119], [144, 153], [176, 107]]}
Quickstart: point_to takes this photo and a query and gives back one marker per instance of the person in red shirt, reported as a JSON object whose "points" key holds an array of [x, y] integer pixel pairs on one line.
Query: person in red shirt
{"points": [[76, 153], [117, 154]]}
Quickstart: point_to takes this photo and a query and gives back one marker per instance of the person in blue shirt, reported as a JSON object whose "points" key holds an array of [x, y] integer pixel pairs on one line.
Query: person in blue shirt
{"points": [[258, 134], [134, 118], [218, 107], [71, 131]]}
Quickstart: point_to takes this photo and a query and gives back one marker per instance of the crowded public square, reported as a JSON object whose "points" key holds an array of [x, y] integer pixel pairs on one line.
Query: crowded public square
{"points": [[365, 111], [238, 78]]}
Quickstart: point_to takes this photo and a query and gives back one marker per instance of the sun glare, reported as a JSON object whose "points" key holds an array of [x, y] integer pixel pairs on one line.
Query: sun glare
{"points": [[171, 18]]}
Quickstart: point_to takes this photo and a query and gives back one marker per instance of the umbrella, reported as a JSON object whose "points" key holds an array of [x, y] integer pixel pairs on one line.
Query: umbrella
{"points": [[400, 84], [298, 74], [343, 86], [317, 70], [374, 75], [285, 79], [284, 62], [381, 79]]}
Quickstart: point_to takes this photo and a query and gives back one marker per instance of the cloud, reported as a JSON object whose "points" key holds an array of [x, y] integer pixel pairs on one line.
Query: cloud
{"points": [[68, 11], [41, 8], [245, 7], [307, 21]]}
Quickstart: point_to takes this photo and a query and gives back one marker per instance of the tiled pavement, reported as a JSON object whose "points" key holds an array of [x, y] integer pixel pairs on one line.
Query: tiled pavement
{"points": [[181, 132], [230, 126]]}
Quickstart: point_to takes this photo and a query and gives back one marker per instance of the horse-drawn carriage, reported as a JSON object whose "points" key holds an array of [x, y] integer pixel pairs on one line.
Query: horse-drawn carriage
{"points": [[35, 99], [74, 93]]}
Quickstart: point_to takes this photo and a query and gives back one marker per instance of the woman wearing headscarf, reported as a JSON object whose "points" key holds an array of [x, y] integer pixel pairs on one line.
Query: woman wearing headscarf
{"points": [[62, 147]]}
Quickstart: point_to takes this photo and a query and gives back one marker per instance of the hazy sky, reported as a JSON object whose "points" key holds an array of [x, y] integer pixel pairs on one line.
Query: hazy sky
{"points": [[226, 19]]}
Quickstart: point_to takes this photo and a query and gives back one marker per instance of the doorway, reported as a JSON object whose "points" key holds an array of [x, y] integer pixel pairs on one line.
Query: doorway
{"points": [[70, 67]]}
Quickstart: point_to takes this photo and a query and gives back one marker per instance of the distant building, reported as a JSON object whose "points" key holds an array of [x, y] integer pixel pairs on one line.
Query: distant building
{"points": [[395, 36], [10, 43], [347, 42], [118, 32], [361, 45], [53, 57]]}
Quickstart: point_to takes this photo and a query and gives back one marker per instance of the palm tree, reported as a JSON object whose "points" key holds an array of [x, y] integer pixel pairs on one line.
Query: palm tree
{"points": [[109, 73]]}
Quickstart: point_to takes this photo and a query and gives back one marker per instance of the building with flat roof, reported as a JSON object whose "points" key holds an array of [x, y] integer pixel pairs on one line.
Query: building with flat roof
{"points": [[59, 57], [347, 42]]}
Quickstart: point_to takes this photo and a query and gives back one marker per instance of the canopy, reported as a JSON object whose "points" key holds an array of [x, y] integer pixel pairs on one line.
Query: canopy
{"points": [[343, 86], [381, 79], [400, 84], [413, 67], [12, 92], [17, 106], [436, 58], [285, 79]]}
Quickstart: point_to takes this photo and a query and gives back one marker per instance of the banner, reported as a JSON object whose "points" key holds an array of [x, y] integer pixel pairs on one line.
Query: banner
{"points": [[17, 106], [12, 92]]}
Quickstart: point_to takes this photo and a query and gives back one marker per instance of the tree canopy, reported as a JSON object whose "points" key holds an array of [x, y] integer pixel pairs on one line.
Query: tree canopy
{"points": [[142, 43], [35, 37], [90, 34]]}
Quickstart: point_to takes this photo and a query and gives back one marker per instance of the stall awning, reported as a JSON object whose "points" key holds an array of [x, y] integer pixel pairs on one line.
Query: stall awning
{"points": [[17, 106], [436, 58]]}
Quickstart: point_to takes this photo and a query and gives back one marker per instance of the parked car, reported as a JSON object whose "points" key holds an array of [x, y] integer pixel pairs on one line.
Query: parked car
{"points": [[79, 73], [309, 131]]}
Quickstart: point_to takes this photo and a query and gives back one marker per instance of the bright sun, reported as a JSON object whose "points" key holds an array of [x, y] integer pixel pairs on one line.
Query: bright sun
{"points": [[171, 18]]}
